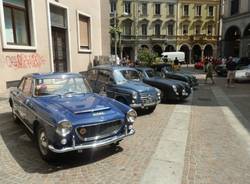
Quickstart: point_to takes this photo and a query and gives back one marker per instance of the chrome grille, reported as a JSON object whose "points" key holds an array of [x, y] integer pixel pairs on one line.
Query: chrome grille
{"points": [[147, 98], [98, 131]]}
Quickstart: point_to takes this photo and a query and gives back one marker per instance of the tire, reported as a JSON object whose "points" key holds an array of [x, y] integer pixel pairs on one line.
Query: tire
{"points": [[163, 97], [42, 144], [151, 109]]}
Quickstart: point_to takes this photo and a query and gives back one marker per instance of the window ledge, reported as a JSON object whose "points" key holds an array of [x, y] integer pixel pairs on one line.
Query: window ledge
{"points": [[19, 47], [84, 51]]}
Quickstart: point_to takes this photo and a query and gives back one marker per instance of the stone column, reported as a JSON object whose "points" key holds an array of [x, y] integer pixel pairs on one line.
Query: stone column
{"points": [[190, 56]]}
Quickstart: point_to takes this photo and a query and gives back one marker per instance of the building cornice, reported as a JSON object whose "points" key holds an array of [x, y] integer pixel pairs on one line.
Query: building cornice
{"points": [[236, 17]]}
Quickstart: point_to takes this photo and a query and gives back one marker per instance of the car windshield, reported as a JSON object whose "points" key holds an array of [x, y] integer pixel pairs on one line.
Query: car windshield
{"points": [[152, 73], [122, 76], [61, 86]]}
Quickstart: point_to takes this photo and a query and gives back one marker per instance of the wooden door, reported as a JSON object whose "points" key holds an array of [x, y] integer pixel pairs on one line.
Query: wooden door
{"points": [[59, 50]]}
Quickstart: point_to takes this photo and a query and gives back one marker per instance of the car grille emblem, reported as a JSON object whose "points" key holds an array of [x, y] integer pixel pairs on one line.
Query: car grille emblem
{"points": [[82, 131]]}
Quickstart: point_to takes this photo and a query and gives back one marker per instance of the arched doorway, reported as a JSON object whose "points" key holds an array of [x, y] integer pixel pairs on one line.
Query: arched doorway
{"points": [[185, 49], [158, 50], [208, 51], [232, 42], [196, 53], [169, 48], [128, 52], [144, 47], [246, 41]]}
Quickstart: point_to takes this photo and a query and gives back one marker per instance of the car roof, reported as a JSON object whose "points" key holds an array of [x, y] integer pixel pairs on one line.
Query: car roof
{"points": [[113, 67], [52, 75]]}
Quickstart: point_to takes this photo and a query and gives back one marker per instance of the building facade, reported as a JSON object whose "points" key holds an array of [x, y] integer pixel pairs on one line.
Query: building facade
{"points": [[187, 25], [236, 28], [144, 24], [51, 36], [198, 28]]}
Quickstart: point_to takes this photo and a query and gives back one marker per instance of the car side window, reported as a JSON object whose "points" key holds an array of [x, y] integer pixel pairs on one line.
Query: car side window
{"points": [[21, 84], [27, 88], [104, 76], [92, 75]]}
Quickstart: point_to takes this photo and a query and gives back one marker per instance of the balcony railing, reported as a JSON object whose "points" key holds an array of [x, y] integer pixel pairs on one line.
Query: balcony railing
{"points": [[146, 37], [197, 37]]}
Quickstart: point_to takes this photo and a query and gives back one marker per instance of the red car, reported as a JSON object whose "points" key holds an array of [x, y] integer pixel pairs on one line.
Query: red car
{"points": [[199, 65]]}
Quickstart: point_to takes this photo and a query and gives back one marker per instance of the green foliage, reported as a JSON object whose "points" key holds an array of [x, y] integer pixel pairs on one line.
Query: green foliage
{"points": [[146, 57]]}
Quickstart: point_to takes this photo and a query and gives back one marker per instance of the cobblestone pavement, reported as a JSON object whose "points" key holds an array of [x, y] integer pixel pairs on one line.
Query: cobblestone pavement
{"points": [[215, 152], [21, 163]]}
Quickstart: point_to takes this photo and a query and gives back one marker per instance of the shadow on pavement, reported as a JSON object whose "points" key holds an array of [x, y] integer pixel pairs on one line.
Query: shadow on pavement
{"points": [[19, 143]]}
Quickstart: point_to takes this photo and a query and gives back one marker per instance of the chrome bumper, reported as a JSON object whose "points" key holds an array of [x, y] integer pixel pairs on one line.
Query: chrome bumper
{"points": [[96, 144], [140, 105]]}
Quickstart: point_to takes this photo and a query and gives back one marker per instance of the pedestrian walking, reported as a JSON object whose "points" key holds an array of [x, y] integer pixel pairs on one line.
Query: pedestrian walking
{"points": [[231, 67], [176, 64], [209, 72]]}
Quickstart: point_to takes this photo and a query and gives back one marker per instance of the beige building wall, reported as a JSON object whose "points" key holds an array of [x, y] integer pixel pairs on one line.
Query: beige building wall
{"points": [[14, 63]]}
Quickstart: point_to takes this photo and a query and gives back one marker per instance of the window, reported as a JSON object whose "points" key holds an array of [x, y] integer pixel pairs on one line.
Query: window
{"points": [[127, 7], [185, 10], [112, 6], [234, 7], [144, 9], [185, 30], [171, 9], [170, 30], [209, 29], [157, 29], [92, 75], [157, 9], [16, 21], [104, 76], [210, 11], [27, 89], [197, 29], [144, 29], [198, 10], [127, 28], [84, 32]]}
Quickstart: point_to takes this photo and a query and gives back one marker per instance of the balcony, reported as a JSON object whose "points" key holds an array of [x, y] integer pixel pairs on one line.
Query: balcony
{"points": [[146, 37]]}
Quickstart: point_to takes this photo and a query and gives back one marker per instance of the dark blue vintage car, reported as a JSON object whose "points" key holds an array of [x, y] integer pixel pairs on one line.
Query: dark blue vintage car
{"points": [[124, 85], [63, 114], [170, 89]]}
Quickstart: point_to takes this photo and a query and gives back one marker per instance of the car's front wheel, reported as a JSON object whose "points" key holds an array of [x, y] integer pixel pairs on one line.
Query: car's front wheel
{"points": [[43, 143]]}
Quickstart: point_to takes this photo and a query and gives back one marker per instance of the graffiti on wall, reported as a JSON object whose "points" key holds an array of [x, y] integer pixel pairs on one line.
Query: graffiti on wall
{"points": [[25, 61]]}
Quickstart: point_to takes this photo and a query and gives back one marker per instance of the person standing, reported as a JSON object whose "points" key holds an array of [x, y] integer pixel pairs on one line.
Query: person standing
{"points": [[231, 67], [209, 72], [176, 64]]}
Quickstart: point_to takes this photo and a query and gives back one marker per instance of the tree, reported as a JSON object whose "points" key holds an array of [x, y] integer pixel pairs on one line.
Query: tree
{"points": [[146, 57]]}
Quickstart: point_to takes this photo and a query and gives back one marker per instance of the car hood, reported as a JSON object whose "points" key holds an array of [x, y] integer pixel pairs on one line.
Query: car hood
{"points": [[137, 86], [78, 107]]}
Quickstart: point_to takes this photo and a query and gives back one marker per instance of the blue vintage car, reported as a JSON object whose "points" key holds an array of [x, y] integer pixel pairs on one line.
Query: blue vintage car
{"points": [[63, 114], [123, 84]]}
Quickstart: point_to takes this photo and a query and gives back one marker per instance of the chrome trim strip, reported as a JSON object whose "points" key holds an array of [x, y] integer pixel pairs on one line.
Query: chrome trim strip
{"points": [[94, 144], [92, 110]]}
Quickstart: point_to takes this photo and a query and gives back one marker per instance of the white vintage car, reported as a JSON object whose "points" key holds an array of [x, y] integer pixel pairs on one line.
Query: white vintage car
{"points": [[243, 74]]}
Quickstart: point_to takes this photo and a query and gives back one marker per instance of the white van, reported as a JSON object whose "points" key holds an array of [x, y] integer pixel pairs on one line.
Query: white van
{"points": [[170, 56]]}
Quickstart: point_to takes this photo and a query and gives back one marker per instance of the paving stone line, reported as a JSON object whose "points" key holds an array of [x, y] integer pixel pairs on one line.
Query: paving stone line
{"points": [[167, 163]]}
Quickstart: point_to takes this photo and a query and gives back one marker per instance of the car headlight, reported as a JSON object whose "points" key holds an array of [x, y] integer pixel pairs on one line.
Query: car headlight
{"points": [[158, 92], [174, 88], [64, 128], [131, 116], [134, 95]]}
